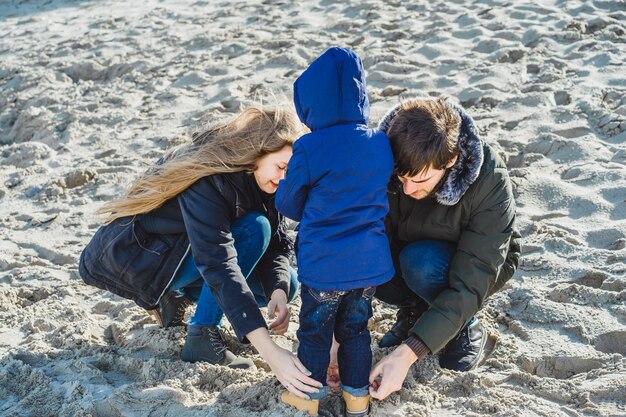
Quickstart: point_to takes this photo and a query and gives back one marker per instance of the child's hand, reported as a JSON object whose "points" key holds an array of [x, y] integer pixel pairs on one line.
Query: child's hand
{"points": [[278, 306], [333, 379]]}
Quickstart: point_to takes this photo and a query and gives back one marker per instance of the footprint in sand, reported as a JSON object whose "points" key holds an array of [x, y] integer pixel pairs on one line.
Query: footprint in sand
{"points": [[488, 46], [593, 279], [606, 238], [562, 98], [199, 43], [611, 342], [54, 256], [569, 146], [24, 155], [30, 296], [35, 124], [619, 244], [583, 295], [559, 367], [614, 195], [232, 50], [609, 115], [509, 55], [192, 79]]}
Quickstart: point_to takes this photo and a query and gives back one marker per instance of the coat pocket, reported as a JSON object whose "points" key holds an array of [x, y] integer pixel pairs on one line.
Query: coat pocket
{"points": [[131, 256]]}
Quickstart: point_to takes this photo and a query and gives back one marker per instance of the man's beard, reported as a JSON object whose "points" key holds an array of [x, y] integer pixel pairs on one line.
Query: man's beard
{"points": [[439, 185], [432, 193]]}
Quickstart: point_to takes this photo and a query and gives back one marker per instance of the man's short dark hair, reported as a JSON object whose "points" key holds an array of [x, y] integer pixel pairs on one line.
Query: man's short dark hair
{"points": [[423, 135]]}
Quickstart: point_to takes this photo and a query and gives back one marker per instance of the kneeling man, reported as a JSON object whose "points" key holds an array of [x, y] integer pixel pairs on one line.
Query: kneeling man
{"points": [[452, 231]]}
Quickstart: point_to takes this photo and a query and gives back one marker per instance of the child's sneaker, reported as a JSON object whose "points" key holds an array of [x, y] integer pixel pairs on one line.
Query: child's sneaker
{"points": [[356, 406], [310, 406]]}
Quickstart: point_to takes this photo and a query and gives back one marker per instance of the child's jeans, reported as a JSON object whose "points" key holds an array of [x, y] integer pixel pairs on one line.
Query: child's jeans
{"points": [[344, 313]]}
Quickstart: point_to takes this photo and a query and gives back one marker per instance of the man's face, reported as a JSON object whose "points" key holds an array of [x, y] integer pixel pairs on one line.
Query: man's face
{"points": [[423, 184]]}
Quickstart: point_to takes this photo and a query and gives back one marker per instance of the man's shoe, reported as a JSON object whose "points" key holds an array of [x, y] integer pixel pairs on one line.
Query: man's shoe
{"points": [[208, 346], [171, 310], [406, 319], [464, 352]]}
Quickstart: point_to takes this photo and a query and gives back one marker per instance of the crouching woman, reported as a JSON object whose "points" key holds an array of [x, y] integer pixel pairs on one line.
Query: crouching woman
{"points": [[201, 226]]}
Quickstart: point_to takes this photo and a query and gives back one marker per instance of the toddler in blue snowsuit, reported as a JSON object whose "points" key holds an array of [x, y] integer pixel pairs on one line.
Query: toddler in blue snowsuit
{"points": [[336, 187]]}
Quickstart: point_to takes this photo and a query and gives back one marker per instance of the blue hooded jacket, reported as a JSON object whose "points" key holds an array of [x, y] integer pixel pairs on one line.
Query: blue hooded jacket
{"points": [[336, 182]]}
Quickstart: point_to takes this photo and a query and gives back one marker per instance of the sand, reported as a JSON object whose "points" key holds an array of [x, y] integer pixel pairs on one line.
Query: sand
{"points": [[93, 92]]}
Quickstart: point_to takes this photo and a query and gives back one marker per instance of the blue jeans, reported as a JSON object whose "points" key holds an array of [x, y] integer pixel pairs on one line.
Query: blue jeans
{"points": [[251, 234], [344, 313], [424, 268]]}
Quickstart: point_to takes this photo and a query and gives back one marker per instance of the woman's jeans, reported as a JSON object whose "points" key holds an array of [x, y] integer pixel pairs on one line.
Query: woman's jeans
{"points": [[344, 313], [251, 234]]}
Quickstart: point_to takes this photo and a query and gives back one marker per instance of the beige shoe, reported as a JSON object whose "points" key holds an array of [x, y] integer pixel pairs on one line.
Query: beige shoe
{"points": [[310, 406], [356, 406]]}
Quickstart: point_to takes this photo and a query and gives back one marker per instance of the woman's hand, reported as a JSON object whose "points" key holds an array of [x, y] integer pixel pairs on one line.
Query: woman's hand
{"points": [[284, 364], [292, 373], [277, 307]]}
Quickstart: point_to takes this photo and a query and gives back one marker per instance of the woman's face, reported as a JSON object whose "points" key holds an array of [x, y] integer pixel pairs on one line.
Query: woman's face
{"points": [[270, 169]]}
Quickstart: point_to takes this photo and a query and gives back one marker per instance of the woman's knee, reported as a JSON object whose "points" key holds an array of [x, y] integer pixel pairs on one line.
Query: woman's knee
{"points": [[254, 227]]}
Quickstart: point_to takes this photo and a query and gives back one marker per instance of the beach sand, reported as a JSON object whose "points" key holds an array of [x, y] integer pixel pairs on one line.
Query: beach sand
{"points": [[93, 92]]}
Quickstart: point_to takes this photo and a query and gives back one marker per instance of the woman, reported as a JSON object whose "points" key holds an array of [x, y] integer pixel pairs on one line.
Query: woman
{"points": [[201, 225]]}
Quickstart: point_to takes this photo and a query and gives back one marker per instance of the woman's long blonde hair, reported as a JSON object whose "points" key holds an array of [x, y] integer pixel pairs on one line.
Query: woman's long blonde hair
{"points": [[233, 146]]}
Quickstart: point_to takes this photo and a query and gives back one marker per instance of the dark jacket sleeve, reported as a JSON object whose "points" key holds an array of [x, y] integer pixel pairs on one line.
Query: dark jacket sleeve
{"points": [[480, 255], [274, 267], [511, 263], [205, 213], [293, 191]]}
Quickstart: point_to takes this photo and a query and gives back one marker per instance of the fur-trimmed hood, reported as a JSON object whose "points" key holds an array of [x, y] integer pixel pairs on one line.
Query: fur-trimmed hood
{"points": [[467, 167]]}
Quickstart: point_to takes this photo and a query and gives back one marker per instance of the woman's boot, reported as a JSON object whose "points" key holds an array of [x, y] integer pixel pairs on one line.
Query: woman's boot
{"points": [[205, 344]]}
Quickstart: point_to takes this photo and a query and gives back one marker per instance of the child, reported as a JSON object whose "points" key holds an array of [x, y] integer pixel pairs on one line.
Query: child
{"points": [[336, 186]]}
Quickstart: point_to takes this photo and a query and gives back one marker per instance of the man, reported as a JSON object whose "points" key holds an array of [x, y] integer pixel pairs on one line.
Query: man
{"points": [[452, 232]]}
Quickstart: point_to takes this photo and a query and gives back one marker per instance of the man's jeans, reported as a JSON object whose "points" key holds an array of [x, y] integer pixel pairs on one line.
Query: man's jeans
{"points": [[424, 266], [344, 313], [251, 234]]}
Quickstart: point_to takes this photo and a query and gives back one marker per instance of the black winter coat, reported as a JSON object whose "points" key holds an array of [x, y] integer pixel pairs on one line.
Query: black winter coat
{"points": [[137, 257], [475, 209]]}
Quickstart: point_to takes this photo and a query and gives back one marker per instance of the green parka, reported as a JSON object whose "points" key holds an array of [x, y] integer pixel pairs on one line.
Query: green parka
{"points": [[474, 208]]}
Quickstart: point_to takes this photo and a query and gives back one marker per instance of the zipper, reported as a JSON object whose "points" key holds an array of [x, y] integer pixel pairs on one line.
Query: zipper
{"points": [[173, 275]]}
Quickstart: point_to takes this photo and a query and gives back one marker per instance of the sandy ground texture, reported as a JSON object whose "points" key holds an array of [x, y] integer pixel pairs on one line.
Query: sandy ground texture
{"points": [[92, 92]]}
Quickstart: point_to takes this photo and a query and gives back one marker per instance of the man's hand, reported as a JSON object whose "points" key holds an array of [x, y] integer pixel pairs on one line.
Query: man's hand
{"points": [[278, 305], [388, 375]]}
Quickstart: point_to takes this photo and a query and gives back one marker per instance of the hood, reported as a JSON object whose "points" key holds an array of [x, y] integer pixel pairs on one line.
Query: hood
{"points": [[467, 167], [332, 90]]}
